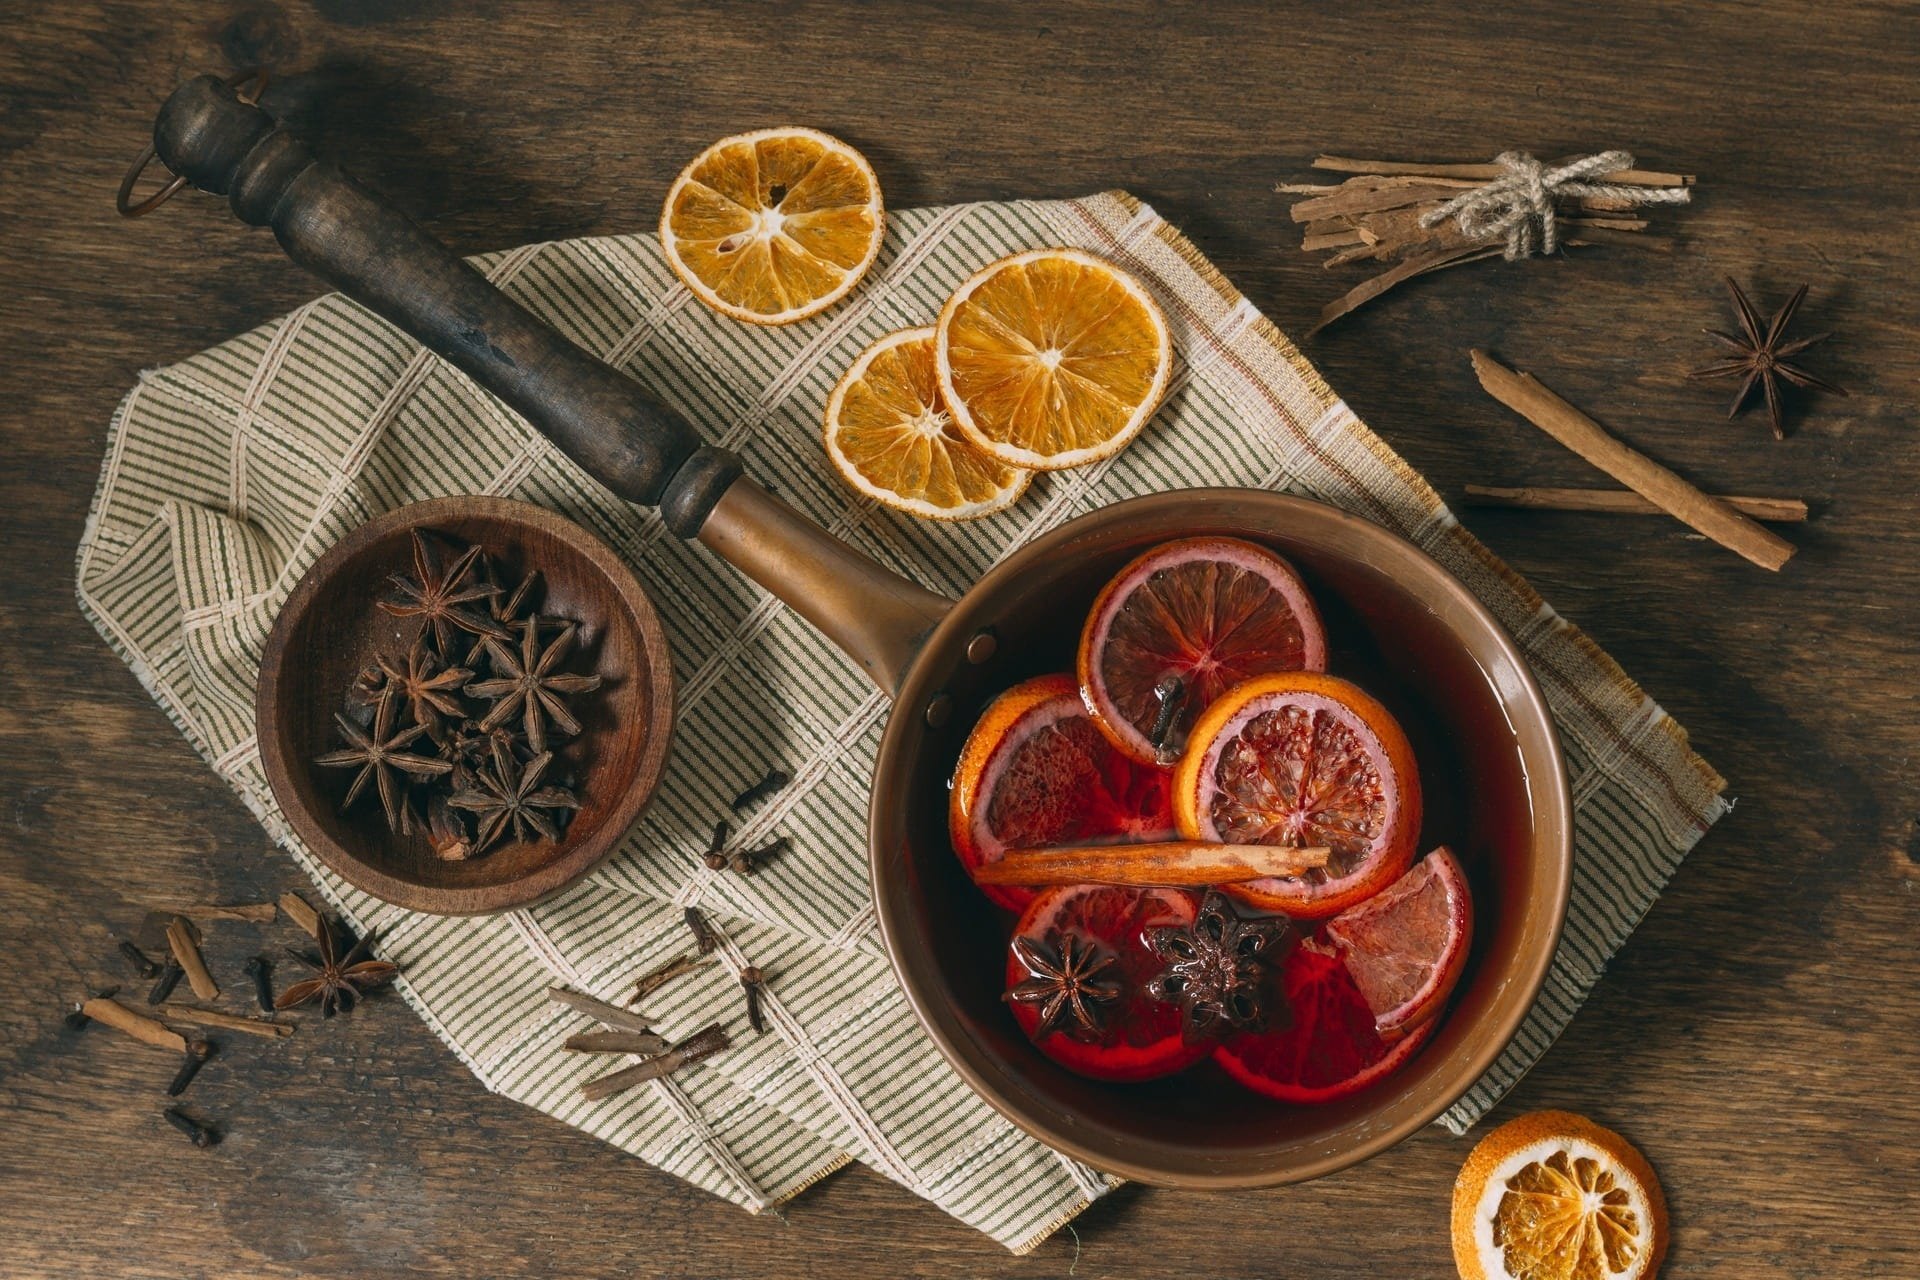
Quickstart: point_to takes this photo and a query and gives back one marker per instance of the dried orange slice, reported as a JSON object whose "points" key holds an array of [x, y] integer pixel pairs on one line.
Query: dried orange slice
{"points": [[1553, 1196], [890, 436], [1304, 759], [1052, 358], [773, 226], [1180, 625]]}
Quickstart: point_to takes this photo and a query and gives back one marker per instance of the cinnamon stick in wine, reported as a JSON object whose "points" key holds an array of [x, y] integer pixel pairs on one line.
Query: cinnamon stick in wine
{"points": [[1528, 397]]}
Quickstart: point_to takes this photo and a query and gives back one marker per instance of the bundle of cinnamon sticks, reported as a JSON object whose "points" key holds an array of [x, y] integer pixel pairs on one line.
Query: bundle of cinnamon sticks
{"points": [[1376, 215]]}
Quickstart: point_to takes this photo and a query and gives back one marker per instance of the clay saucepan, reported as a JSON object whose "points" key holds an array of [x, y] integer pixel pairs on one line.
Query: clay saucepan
{"points": [[1411, 632]]}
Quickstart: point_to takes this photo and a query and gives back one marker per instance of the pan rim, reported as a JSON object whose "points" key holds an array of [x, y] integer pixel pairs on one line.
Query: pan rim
{"points": [[1548, 790]]}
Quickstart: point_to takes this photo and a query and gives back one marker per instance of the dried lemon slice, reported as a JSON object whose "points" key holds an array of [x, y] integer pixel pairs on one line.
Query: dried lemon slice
{"points": [[1553, 1196], [1052, 358], [890, 436], [773, 226]]}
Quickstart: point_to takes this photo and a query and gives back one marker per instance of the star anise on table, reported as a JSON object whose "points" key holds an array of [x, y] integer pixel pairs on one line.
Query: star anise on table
{"points": [[528, 684], [1762, 356], [1063, 982], [339, 981], [443, 598], [382, 757], [428, 688], [1216, 966], [508, 794]]}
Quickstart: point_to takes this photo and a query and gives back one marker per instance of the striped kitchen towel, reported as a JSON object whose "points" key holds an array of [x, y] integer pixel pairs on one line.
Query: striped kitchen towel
{"points": [[228, 474]]}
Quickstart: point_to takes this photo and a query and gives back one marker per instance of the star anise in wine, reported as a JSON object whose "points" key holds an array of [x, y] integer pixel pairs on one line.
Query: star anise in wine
{"points": [[1063, 982], [527, 683], [382, 757], [1761, 356], [443, 598], [428, 688], [338, 981], [507, 794], [1216, 966]]}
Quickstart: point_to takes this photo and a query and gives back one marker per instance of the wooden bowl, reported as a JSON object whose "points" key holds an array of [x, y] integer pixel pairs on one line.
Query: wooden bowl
{"points": [[1495, 788], [330, 629]]}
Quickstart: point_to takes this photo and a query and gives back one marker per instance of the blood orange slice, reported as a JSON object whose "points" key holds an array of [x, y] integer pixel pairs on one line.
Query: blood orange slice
{"points": [[1179, 626], [1304, 759], [1036, 773], [1329, 1049], [1407, 945], [1132, 1036]]}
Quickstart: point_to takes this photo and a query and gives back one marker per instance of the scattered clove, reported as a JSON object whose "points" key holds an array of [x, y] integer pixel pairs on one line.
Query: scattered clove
{"points": [[744, 861], [77, 1017], [701, 1044], [202, 1135], [143, 966], [169, 979], [775, 779], [716, 855], [655, 979], [703, 935], [198, 1051], [752, 981], [261, 971]]}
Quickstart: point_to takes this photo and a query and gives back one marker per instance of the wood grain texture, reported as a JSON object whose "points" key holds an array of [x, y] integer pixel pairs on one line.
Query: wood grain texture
{"points": [[1756, 1036]]}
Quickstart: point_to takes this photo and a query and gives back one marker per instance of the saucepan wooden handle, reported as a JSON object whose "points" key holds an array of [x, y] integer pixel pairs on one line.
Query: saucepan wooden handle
{"points": [[378, 256]]}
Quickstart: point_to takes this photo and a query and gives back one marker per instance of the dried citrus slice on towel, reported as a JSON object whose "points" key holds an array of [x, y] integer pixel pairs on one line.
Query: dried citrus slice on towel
{"points": [[1035, 773], [773, 226], [1406, 946], [889, 435], [1304, 759], [1180, 625], [1553, 1196], [1052, 358]]}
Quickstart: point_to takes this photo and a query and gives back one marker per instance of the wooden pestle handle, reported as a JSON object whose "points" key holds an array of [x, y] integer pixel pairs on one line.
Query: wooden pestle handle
{"points": [[376, 255]]}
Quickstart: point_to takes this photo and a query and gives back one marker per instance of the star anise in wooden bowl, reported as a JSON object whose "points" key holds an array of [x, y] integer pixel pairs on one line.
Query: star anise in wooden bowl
{"points": [[403, 632]]}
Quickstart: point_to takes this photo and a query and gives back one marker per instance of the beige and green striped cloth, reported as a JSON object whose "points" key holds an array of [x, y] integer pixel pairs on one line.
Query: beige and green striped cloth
{"points": [[227, 474]]}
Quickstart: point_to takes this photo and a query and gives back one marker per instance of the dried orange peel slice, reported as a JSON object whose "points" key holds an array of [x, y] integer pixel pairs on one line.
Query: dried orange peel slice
{"points": [[1052, 358], [889, 435], [773, 226], [1554, 1196]]}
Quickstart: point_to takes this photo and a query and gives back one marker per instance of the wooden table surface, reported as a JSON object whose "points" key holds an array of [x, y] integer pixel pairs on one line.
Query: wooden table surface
{"points": [[1756, 1038]]}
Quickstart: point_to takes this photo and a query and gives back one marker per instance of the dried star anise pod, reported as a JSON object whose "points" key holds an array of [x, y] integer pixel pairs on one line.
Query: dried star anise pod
{"points": [[1761, 356], [1063, 983], [508, 609], [1216, 966], [447, 832], [508, 794], [382, 757], [428, 688], [528, 684], [339, 982], [442, 598]]}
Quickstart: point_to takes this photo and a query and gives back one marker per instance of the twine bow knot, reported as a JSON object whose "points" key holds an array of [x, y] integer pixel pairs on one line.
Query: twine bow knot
{"points": [[1519, 204]]}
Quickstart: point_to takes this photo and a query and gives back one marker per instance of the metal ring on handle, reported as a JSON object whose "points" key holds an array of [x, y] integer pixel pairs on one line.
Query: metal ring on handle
{"points": [[248, 84]]}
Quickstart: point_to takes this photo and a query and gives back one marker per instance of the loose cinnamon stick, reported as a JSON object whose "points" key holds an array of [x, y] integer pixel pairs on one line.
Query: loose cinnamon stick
{"points": [[301, 913], [600, 1010], [232, 1022], [1622, 502], [1180, 863], [1485, 172], [180, 939], [616, 1042], [138, 1025], [1529, 398]]}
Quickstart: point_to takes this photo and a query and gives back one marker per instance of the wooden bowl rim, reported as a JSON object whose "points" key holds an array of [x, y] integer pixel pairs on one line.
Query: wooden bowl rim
{"points": [[573, 861]]}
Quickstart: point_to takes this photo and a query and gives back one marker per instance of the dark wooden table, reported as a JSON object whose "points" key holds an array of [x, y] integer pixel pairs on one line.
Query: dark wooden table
{"points": [[1756, 1038]]}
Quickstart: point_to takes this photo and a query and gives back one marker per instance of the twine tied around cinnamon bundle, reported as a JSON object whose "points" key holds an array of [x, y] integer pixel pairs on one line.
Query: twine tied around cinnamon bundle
{"points": [[1519, 204]]}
